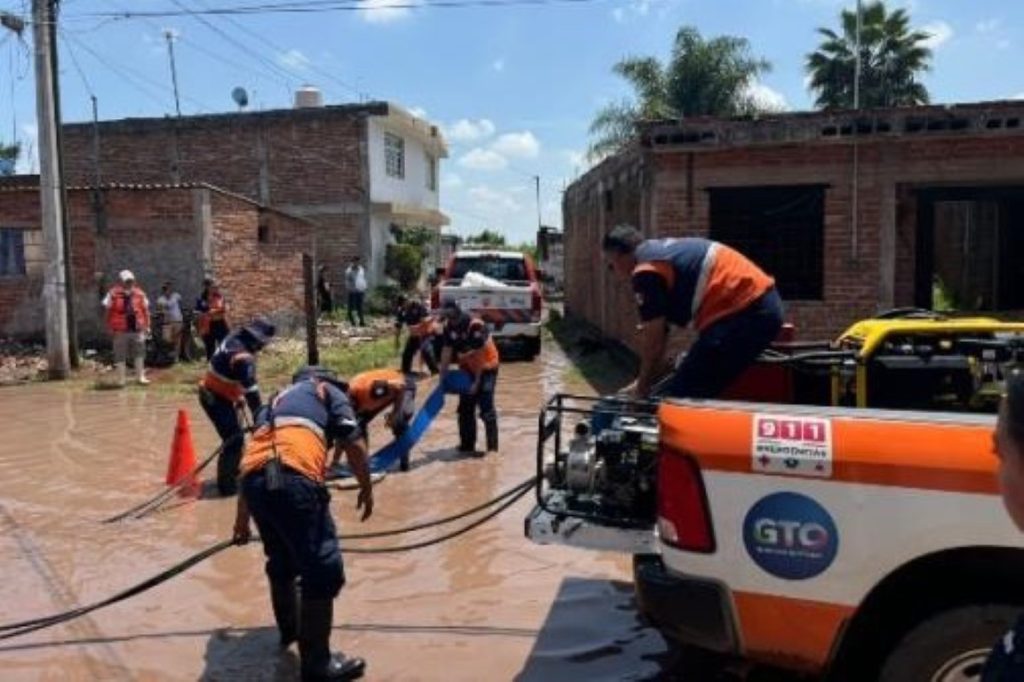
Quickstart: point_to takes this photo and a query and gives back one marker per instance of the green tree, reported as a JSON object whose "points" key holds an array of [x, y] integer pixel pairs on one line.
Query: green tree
{"points": [[8, 157], [703, 77], [488, 238], [893, 57], [403, 260]]}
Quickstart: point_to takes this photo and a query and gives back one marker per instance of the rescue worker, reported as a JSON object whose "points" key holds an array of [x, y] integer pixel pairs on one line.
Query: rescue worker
{"points": [[731, 302], [212, 317], [1006, 662], [467, 340], [128, 322], [373, 391], [282, 479], [412, 313], [230, 379]]}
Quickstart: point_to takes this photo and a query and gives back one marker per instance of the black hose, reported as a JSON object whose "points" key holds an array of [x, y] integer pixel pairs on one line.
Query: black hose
{"points": [[11, 630], [516, 493], [442, 521]]}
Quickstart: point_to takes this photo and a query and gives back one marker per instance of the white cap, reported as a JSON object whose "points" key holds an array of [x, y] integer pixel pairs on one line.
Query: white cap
{"points": [[127, 276]]}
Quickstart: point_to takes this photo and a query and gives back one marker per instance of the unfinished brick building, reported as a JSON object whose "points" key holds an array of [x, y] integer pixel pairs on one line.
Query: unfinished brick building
{"points": [[852, 212], [358, 171], [160, 232]]}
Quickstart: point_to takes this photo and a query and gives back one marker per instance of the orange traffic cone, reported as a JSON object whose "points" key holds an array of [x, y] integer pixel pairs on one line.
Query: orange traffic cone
{"points": [[182, 462]]}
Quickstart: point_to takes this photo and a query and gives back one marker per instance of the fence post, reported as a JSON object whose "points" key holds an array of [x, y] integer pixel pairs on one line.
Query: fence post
{"points": [[312, 352]]}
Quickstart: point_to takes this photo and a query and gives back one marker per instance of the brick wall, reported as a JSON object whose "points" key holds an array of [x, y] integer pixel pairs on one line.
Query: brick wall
{"points": [[161, 235], [310, 162], [663, 191]]}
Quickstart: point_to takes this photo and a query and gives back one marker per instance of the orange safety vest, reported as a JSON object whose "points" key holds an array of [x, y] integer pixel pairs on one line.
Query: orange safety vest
{"points": [[218, 311], [480, 359], [427, 327], [222, 386], [117, 313], [299, 442], [372, 391]]}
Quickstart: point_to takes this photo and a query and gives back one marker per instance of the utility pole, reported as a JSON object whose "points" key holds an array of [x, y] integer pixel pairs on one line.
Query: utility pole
{"points": [[169, 35], [65, 223], [855, 182], [536, 180], [54, 284]]}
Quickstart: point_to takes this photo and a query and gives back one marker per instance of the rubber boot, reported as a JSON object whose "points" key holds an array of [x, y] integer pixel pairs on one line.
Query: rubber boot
{"points": [[467, 424], [491, 432], [119, 374], [318, 663], [284, 597], [140, 370]]}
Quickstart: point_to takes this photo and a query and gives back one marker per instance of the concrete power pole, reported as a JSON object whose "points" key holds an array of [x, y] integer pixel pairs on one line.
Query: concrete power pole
{"points": [[54, 284], [169, 35]]}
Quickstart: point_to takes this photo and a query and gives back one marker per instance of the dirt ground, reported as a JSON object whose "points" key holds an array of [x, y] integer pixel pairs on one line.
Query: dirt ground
{"points": [[487, 606]]}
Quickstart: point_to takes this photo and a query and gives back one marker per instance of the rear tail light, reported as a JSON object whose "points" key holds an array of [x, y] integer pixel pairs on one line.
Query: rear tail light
{"points": [[536, 303], [435, 298], [684, 519]]}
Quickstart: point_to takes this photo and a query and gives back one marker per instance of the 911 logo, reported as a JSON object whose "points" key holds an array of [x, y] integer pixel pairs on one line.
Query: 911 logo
{"points": [[790, 536]]}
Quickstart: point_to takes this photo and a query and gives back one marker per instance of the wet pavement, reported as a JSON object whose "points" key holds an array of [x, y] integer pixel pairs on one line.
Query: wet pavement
{"points": [[486, 606]]}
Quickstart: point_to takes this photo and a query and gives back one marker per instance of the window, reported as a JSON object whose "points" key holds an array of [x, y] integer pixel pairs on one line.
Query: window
{"points": [[782, 229], [263, 228], [495, 267], [394, 155], [12, 252], [431, 173]]}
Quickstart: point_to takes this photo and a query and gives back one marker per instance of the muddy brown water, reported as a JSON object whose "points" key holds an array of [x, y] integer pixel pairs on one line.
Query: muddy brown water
{"points": [[489, 605]]}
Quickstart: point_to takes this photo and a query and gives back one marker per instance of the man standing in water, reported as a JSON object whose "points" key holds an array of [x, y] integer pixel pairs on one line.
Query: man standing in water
{"points": [[282, 479]]}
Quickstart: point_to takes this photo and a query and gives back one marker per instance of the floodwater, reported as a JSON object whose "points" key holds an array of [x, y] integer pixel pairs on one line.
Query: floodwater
{"points": [[489, 605]]}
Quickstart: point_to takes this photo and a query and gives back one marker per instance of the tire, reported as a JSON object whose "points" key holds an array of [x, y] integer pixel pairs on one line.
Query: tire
{"points": [[951, 646], [532, 348]]}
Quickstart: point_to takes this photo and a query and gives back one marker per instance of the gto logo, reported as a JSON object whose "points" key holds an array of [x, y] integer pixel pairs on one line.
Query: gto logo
{"points": [[790, 534]]}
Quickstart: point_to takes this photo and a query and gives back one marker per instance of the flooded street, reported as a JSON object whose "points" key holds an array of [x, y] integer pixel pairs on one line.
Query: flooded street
{"points": [[489, 605]]}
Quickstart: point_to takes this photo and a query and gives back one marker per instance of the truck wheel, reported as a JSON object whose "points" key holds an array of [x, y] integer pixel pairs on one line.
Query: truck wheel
{"points": [[532, 348], [951, 646]]}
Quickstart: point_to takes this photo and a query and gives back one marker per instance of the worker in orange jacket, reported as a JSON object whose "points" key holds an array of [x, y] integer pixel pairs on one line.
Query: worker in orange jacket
{"points": [[211, 317], [128, 322], [467, 340], [412, 313], [373, 391]]}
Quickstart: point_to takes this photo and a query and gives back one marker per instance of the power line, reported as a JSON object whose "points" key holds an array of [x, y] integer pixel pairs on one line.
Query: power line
{"points": [[309, 7], [78, 67]]}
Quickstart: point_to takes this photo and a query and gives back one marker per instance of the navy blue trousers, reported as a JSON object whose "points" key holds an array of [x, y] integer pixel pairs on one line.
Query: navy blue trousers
{"points": [[225, 419], [298, 533], [726, 348]]}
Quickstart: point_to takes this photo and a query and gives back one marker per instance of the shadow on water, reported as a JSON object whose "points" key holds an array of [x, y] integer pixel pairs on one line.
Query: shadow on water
{"points": [[441, 456], [605, 366], [250, 654]]}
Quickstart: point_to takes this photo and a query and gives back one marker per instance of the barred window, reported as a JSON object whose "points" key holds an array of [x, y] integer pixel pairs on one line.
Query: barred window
{"points": [[394, 155], [12, 252]]}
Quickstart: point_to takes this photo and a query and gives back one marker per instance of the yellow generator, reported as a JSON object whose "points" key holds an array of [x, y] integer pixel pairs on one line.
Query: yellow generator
{"points": [[916, 359]]}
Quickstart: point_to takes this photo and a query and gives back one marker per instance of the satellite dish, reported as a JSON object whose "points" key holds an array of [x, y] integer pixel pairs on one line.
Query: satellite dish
{"points": [[241, 97]]}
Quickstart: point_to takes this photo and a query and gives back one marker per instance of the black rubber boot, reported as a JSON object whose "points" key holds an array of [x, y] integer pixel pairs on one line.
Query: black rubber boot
{"points": [[467, 424], [491, 432], [318, 663], [284, 598]]}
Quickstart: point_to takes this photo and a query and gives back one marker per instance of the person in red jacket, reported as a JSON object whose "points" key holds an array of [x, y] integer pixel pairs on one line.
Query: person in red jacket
{"points": [[128, 322]]}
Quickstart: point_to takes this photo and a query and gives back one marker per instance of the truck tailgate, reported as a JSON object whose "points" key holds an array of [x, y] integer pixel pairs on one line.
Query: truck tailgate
{"points": [[493, 304]]}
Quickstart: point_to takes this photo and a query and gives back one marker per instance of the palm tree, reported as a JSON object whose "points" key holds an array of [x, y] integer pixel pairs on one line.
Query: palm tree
{"points": [[892, 59], [702, 78]]}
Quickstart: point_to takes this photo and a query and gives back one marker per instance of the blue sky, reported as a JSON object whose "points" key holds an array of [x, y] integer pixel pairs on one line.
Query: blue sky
{"points": [[514, 87]]}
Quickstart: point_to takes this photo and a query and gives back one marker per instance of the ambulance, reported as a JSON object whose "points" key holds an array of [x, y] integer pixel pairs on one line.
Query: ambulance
{"points": [[839, 540]]}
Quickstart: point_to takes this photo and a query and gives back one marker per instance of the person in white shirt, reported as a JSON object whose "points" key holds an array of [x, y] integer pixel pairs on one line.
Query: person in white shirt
{"points": [[169, 305], [355, 283]]}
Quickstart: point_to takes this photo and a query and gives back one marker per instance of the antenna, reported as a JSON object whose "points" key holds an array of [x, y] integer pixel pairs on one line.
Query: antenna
{"points": [[241, 97]]}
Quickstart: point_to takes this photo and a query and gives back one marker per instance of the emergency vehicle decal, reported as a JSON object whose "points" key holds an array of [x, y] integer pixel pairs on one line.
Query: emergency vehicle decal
{"points": [[790, 536], [791, 445]]}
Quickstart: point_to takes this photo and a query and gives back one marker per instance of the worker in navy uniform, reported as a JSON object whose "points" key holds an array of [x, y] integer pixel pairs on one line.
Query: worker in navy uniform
{"points": [[412, 313], [466, 340], [1006, 662], [282, 480], [731, 302], [230, 379]]}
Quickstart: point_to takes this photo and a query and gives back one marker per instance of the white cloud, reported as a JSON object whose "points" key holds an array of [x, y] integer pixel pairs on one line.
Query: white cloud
{"points": [[577, 160], [382, 11], [517, 145], [451, 181], [1003, 44], [1019, 95], [619, 15], [29, 140], [940, 31], [766, 98], [489, 199], [987, 26], [636, 8], [465, 130], [483, 159], [419, 112], [293, 59], [498, 65]]}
